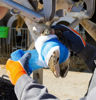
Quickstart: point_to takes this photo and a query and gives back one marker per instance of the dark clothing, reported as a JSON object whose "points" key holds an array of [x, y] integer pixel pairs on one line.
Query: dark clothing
{"points": [[70, 38], [86, 51], [76, 44], [89, 55]]}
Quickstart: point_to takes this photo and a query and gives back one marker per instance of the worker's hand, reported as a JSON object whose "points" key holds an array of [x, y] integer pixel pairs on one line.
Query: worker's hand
{"points": [[33, 63], [16, 69]]}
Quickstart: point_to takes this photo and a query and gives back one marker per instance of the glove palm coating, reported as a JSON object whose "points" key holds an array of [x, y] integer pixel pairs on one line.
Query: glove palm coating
{"points": [[32, 63], [15, 69]]}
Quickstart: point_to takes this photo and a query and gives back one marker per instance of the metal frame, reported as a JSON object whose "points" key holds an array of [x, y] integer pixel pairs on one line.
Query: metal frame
{"points": [[18, 40], [81, 13], [85, 14], [23, 11], [44, 14]]}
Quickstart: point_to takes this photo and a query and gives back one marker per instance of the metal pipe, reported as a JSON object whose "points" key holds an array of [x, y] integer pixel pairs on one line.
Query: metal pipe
{"points": [[90, 27], [74, 23], [24, 11]]}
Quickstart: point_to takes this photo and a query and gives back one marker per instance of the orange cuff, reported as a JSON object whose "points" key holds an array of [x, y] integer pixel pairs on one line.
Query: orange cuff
{"points": [[18, 76], [15, 70]]}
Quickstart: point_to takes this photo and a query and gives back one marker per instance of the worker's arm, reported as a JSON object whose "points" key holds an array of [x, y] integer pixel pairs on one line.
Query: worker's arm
{"points": [[74, 41], [89, 55], [28, 89], [25, 87], [69, 37]]}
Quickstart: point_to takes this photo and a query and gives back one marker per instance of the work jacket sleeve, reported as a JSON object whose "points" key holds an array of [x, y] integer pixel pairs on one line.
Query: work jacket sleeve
{"points": [[28, 89], [88, 54], [69, 37]]}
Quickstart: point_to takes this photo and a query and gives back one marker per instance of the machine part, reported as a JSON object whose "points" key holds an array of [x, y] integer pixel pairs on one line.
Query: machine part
{"points": [[65, 19], [38, 76], [86, 14], [24, 11], [90, 27], [49, 8], [74, 23], [45, 14], [78, 11], [90, 7], [14, 12], [34, 4]]}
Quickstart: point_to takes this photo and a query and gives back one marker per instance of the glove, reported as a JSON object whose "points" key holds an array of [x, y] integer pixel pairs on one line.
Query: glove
{"points": [[16, 69], [33, 63], [69, 37]]}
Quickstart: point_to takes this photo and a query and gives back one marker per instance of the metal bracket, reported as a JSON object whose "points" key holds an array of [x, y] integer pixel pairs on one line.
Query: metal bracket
{"points": [[88, 13], [14, 12], [79, 12], [85, 14], [90, 7]]}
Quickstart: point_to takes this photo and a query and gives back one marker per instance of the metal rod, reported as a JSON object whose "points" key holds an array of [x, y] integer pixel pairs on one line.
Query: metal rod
{"points": [[74, 23], [24, 11]]}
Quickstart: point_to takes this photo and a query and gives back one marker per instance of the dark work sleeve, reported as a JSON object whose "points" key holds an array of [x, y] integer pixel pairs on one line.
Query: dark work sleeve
{"points": [[89, 56], [69, 37], [28, 89]]}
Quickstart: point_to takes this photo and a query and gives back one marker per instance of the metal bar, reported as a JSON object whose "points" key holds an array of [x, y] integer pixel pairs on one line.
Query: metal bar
{"points": [[90, 27], [38, 76], [22, 39], [74, 23], [90, 7], [25, 38], [24, 11], [79, 15]]}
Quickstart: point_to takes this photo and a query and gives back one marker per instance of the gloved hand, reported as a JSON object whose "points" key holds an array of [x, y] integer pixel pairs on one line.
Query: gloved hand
{"points": [[69, 37], [33, 63], [16, 69]]}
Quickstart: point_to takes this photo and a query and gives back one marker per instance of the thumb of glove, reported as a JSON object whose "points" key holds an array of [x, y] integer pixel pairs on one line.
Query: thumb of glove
{"points": [[24, 62]]}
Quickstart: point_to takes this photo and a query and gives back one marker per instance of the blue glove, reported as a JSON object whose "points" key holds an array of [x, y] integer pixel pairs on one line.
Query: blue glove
{"points": [[33, 62]]}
